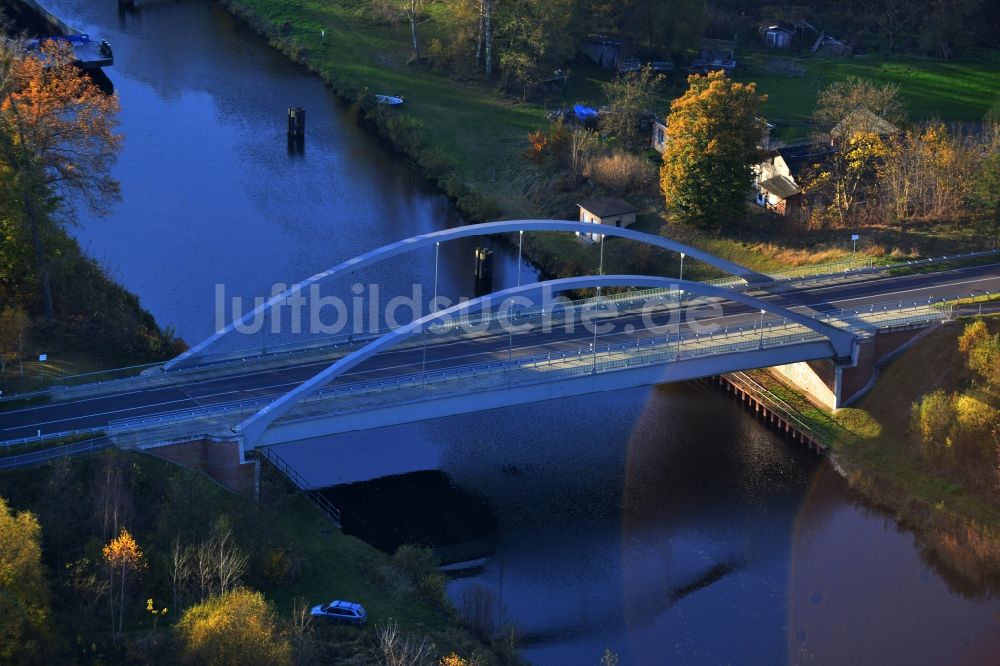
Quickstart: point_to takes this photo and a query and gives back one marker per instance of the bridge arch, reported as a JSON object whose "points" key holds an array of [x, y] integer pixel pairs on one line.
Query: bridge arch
{"points": [[252, 428], [487, 228]]}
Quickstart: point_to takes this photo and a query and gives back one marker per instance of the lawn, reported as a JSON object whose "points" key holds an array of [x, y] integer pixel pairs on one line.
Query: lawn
{"points": [[961, 91]]}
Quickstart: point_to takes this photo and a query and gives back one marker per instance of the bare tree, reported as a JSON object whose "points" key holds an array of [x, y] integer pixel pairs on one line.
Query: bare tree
{"points": [[230, 562], [413, 9], [180, 572], [394, 648], [114, 500]]}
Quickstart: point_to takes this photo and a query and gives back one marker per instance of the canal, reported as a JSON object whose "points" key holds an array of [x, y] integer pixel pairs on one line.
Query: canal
{"points": [[664, 524]]}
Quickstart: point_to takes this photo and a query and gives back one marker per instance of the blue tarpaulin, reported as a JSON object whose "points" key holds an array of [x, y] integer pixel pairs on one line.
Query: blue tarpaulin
{"points": [[584, 113]]}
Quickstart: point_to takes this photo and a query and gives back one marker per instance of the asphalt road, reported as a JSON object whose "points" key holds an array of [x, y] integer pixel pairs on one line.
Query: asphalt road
{"points": [[100, 410]]}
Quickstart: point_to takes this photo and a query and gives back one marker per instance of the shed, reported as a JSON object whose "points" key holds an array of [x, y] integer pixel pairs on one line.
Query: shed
{"points": [[603, 50], [606, 210], [778, 34]]}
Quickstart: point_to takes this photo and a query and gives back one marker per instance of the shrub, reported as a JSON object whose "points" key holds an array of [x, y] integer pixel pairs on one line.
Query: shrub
{"points": [[621, 172], [235, 628], [420, 564]]}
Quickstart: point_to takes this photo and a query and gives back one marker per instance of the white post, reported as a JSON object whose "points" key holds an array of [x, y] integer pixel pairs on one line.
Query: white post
{"points": [[681, 276], [520, 242], [761, 343], [433, 308]]}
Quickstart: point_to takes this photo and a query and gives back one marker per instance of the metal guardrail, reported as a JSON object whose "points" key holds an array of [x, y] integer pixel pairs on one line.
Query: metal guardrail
{"points": [[271, 456], [54, 452], [26, 442]]}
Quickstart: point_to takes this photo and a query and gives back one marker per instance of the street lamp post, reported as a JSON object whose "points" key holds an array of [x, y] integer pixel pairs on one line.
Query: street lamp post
{"points": [[681, 276], [761, 343]]}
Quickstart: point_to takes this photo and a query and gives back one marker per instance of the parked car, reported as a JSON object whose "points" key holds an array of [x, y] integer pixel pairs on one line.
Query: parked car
{"points": [[341, 611]]}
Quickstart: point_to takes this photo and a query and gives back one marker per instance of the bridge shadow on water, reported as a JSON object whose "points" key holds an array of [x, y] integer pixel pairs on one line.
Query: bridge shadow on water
{"points": [[422, 508]]}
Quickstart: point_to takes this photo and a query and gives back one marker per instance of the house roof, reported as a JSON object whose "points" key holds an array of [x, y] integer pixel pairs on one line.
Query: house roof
{"points": [[802, 156], [780, 187], [784, 26], [863, 120], [608, 206]]}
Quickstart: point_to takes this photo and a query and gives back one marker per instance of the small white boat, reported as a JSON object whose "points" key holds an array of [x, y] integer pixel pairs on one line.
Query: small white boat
{"points": [[391, 100]]}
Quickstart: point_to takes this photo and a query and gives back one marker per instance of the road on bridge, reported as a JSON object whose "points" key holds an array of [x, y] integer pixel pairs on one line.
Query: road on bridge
{"points": [[98, 411]]}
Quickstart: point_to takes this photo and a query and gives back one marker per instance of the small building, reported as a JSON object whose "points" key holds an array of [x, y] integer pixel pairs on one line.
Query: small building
{"points": [[776, 179], [606, 210], [659, 138], [603, 51], [778, 34]]}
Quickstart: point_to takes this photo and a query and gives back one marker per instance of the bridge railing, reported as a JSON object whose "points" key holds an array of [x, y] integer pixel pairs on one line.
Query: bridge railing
{"points": [[325, 505], [656, 349]]}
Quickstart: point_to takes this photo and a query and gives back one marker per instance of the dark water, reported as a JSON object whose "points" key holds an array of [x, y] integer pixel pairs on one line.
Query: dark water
{"points": [[664, 524], [210, 193]]}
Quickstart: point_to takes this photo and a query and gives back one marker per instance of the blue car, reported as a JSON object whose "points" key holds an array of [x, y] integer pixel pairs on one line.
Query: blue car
{"points": [[341, 611]]}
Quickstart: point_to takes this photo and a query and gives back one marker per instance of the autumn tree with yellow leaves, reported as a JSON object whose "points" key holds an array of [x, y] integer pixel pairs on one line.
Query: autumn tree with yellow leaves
{"points": [[237, 627], [24, 595], [713, 133], [124, 559]]}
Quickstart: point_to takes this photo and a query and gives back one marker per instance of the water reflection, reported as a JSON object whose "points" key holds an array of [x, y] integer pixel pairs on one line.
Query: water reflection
{"points": [[210, 193]]}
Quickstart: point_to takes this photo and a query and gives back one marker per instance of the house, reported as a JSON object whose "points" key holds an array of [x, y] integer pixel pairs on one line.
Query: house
{"points": [[778, 34], [659, 139], [715, 54], [606, 210], [862, 120], [603, 51], [777, 178]]}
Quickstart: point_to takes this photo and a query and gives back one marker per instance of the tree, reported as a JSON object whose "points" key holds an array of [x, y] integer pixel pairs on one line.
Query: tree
{"points": [[629, 96], [842, 100], [848, 176], [412, 9], [56, 137], [673, 26], [14, 327], [234, 628], [24, 595], [712, 136], [931, 421], [394, 648], [124, 559]]}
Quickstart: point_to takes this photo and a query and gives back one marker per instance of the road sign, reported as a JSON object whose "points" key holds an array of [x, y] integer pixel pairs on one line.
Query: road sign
{"points": [[855, 237], [42, 358]]}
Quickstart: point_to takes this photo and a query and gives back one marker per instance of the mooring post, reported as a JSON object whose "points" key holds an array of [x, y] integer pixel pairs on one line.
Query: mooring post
{"points": [[296, 121]]}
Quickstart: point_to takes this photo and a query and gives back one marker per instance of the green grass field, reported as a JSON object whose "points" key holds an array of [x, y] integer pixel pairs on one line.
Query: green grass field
{"points": [[930, 88], [477, 138]]}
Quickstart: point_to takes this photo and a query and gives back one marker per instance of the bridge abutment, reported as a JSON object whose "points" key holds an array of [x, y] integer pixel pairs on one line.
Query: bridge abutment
{"points": [[220, 460], [832, 385]]}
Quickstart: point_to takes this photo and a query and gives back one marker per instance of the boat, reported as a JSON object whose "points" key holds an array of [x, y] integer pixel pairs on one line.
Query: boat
{"points": [[391, 100]]}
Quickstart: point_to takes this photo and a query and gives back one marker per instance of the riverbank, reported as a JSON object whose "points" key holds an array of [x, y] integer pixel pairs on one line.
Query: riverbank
{"points": [[293, 553], [471, 141], [98, 324], [871, 445]]}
